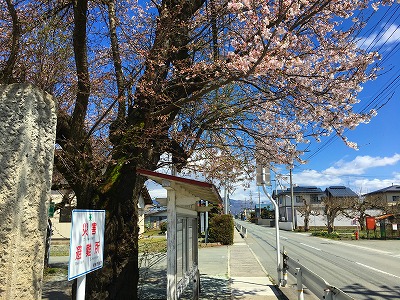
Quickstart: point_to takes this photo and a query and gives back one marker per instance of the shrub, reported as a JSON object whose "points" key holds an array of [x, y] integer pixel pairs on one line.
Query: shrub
{"points": [[221, 229], [163, 227], [326, 234]]}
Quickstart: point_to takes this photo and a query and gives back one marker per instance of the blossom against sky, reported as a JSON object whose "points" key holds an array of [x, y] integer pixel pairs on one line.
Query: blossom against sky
{"points": [[376, 163]]}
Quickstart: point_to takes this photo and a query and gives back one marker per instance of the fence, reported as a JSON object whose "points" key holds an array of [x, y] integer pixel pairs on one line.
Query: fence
{"points": [[241, 229], [315, 283]]}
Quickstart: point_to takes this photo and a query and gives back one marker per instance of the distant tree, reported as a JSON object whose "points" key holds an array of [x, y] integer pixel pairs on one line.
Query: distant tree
{"points": [[307, 210], [267, 213], [335, 206], [357, 208]]}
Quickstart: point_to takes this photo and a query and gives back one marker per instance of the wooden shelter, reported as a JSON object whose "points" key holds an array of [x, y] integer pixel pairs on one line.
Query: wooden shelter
{"points": [[183, 196]]}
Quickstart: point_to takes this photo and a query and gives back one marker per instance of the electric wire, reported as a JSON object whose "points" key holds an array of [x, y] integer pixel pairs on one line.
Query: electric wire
{"points": [[386, 92]]}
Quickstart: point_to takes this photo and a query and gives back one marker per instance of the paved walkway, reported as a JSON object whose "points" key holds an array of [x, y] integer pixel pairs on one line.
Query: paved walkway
{"points": [[245, 278]]}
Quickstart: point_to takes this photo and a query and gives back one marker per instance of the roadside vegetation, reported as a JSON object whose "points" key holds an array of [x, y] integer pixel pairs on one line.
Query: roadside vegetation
{"points": [[51, 271], [350, 234], [153, 241], [59, 249]]}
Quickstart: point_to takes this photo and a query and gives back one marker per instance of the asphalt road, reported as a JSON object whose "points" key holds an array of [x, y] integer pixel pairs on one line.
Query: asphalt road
{"points": [[364, 269]]}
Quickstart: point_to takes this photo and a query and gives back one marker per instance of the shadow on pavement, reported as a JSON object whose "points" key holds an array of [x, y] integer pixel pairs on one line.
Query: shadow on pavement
{"points": [[153, 286], [385, 292]]}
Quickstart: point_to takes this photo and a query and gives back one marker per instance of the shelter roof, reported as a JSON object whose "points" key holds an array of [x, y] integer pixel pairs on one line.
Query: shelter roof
{"points": [[203, 190]]}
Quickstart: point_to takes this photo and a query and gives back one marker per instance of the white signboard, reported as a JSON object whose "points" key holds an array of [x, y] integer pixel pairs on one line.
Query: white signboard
{"points": [[87, 241]]}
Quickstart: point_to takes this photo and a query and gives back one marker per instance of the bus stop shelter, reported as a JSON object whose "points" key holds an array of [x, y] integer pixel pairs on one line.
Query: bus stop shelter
{"points": [[183, 196]]}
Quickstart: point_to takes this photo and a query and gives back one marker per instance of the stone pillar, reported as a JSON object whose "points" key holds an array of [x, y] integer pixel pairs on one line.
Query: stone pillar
{"points": [[27, 136]]}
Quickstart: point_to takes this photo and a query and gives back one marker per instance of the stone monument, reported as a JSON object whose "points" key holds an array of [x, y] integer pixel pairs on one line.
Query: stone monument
{"points": [[27, 137]]}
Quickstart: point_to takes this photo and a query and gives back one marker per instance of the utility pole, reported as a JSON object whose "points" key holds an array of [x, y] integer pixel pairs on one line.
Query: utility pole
{"points": [[261, 181], [225, 200], [294, 222]]}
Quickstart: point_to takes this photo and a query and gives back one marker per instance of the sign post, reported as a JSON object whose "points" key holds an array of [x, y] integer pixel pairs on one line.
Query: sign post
{"points": [[86, 246]]}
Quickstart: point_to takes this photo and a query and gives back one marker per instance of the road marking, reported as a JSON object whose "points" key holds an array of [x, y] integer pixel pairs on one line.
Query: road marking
{"points": [[377, 270], [310, 246], [361, 247]]}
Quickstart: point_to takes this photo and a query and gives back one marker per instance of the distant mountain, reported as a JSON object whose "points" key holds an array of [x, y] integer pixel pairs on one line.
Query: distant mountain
{"points": [[237, 206]]}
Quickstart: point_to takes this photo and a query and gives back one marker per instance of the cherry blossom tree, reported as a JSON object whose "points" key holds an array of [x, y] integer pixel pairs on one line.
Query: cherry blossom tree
{"points": [[204, 81]]}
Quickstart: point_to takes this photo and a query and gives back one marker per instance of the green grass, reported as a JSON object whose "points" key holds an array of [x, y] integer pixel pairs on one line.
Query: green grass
{"points": [[349, 234], [153, 245], [48, 272], [153, 232], [59, 250]]}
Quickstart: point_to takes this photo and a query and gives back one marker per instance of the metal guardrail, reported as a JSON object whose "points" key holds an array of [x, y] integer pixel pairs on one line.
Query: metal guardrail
{"points": [[315, 283], [241, 229]]}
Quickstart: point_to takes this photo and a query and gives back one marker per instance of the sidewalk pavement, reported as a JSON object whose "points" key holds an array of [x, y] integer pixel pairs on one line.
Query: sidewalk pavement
{"points": [[237, 270]]}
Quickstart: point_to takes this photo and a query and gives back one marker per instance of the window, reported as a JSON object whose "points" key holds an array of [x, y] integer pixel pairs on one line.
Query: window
{"points": [[299, 199], [395, 198], [314, 199]]}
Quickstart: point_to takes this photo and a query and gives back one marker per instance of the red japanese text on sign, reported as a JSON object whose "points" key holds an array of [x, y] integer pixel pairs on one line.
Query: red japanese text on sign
{"points": [[78, 252], [85, 229], [88, 250], [97, 247], [86, 243], [94, 227]]}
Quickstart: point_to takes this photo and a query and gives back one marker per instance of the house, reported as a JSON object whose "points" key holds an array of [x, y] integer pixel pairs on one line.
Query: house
{"points": [[63, 201], [155, 216], [144, 204], [301, 195], [389, 195], [340, 192]]}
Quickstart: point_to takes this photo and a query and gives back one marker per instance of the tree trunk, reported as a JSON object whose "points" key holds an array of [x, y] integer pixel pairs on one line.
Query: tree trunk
{"points": [[306, 222], [330, 223], [118, 279]]}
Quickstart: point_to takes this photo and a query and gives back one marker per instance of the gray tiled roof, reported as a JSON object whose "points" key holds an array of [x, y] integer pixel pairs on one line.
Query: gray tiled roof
{"points": [[392, 188], [340, 191], [302, 190], [306, 189]]}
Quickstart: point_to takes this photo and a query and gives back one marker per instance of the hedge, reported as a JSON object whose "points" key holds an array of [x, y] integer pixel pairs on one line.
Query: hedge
{"points": [[220, 229]]}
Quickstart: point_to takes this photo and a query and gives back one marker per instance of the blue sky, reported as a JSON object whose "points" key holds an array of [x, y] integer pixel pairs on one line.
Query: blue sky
{"points": [[377, 162]]}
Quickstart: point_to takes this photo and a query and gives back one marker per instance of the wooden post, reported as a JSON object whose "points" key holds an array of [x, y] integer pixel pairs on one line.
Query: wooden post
{"points": [[195, 259], [171, 245]]}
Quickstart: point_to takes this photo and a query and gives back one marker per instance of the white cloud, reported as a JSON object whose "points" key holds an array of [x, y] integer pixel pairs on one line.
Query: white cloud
{"points": [[360, 165], [156, 190], [348, 173], [315, 178]]}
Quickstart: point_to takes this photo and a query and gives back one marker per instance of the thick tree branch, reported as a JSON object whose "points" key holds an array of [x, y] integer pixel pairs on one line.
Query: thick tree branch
{"points": [[6, 73], [112, 21], [81, 62]]}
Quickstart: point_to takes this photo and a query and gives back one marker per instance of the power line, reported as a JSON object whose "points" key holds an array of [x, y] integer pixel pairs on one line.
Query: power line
{"points": [[386, 93]]}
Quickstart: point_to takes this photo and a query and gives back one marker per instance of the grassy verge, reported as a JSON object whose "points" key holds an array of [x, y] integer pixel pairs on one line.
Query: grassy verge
{"points": [[153, 241], [347, 234], [59, 249], [50, 272]]}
